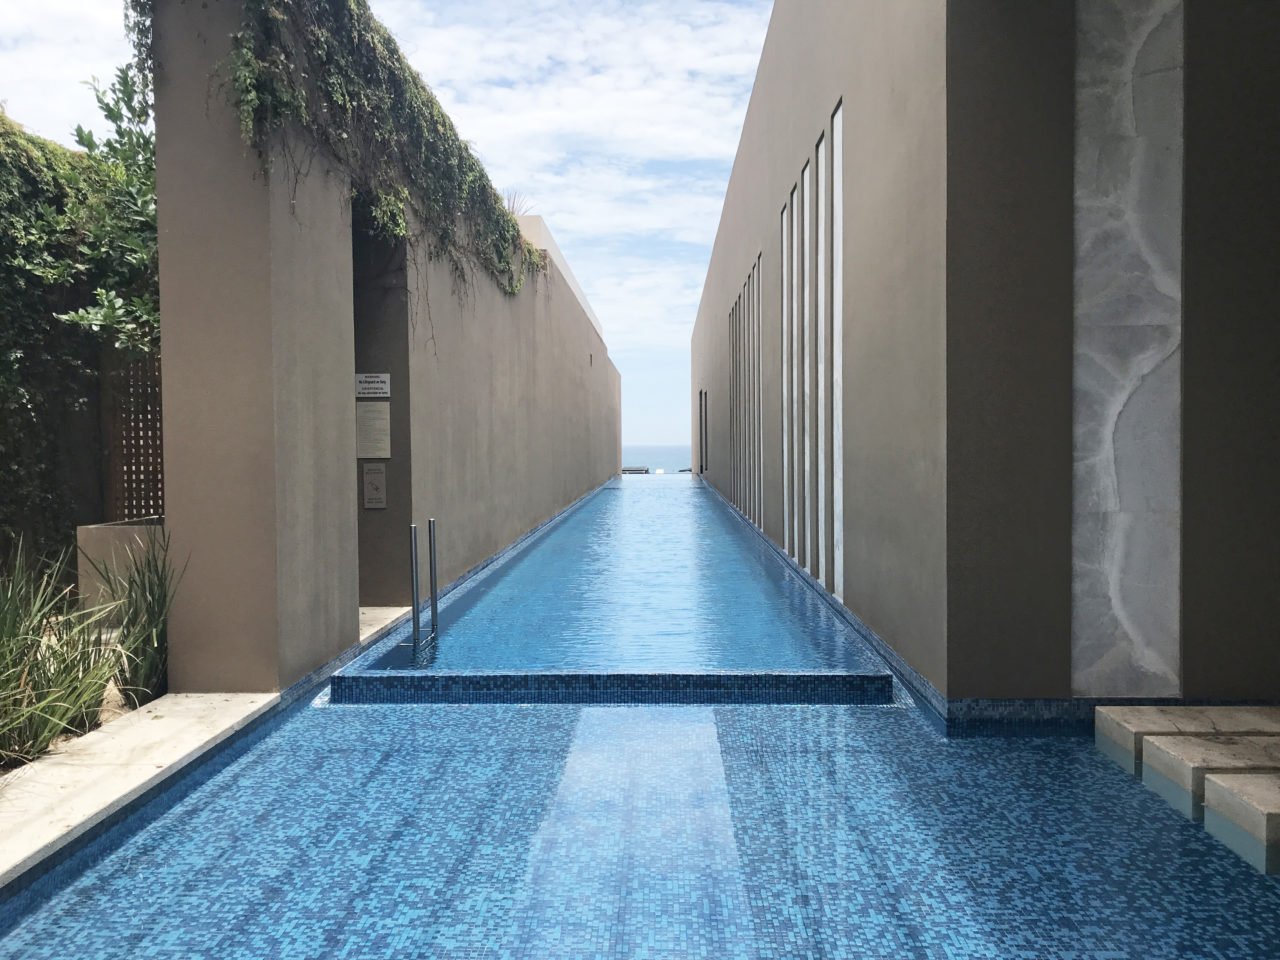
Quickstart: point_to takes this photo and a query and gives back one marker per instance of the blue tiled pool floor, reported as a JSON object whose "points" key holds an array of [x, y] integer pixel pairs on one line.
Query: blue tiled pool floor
{"points": [[651, 574], [660, 832]]}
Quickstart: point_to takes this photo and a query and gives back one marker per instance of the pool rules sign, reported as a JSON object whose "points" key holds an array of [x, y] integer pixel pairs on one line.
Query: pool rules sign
{"points": [[373, 436]]}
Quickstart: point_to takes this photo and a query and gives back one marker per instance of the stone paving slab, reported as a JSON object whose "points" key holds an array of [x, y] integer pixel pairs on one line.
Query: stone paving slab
{"points": [[1120, 731], [374, 620], [1175, 767], [1243, 811], [49, 803]]}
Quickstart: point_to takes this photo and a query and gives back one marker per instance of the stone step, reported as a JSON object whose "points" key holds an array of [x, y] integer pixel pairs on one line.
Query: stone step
{"points": [[1119, 731], [1243, 811], [1175, 767]]}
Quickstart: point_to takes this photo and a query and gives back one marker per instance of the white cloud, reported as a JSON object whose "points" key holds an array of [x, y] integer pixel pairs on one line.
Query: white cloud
{"points": [[617, 119], [48, 52]]}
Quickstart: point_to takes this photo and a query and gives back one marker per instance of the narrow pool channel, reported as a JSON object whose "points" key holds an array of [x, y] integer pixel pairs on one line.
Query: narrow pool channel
{"points": [[651, 573], [563, 831]]}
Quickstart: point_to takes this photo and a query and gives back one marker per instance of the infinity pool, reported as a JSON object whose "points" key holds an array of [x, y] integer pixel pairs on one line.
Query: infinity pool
{"points": [[652, 573], [569, 832]]}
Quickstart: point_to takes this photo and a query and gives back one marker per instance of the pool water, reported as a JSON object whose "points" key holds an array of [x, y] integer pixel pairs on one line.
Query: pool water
{"points": [[761, 832], [568, 832], [652, 573]]}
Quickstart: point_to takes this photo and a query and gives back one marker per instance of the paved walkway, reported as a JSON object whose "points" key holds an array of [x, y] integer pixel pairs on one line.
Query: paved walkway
{"points": [[47, 804]]}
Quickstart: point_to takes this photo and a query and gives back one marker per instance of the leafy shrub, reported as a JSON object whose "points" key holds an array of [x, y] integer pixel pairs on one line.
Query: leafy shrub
{"points": [[141, 595], [55, 661], [78, 274]]}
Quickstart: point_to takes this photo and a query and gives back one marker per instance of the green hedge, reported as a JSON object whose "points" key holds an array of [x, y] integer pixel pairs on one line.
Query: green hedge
{"points": [[46, 365]]}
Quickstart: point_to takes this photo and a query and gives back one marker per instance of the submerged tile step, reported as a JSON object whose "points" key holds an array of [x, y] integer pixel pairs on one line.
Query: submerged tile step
{"points": [[613, 688], [1176, 767], [1243, 811], [1119, 731]]}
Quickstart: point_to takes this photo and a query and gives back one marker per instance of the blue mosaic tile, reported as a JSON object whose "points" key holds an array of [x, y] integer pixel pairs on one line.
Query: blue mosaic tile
{"points": [[615, 688], [650, 575], [760, 832]]}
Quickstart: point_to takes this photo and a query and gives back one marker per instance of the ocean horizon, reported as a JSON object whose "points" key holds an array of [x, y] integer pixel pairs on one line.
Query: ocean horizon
{"points": [[670, 458]]}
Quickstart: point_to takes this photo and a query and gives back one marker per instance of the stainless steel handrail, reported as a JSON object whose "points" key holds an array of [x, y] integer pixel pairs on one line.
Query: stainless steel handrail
{"points": [[413, 576], [435, 613], [417, 599]]}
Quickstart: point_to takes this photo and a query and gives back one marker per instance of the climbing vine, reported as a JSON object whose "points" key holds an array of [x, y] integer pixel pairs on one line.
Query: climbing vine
{"points": [[329, 68]]}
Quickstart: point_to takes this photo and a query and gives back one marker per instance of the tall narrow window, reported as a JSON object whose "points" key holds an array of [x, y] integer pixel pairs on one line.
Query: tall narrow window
{"points": [[700, 432], [785, 385], [797, 380], [743, 402], [837, 349], [820, 265], [733, 406], [806, 204], [759, 393], [746, 406], [751, 400]]}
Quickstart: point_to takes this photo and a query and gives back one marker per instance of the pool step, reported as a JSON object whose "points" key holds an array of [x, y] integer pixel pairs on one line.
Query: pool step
{"points": [[1243, 811], [1119, 731], [613, 688], [1219, 764], [1175, 767]]}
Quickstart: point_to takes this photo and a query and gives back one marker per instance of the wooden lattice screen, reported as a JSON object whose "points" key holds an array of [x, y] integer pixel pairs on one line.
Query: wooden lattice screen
{"points": [[133, 463]]}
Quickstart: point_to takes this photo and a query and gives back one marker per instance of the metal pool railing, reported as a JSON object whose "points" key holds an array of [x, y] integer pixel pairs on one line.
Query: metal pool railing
{"points": [[413, 573]]}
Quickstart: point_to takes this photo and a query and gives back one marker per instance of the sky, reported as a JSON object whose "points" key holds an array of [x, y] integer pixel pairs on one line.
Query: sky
{"points": [[616, 120]]}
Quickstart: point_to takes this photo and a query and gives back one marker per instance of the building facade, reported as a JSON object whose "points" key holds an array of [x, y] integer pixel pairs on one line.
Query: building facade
{"points": [[983, 343]]}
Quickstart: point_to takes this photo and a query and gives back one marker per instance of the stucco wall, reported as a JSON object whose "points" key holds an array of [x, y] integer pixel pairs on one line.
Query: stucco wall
{"points": [[956, 322], [514, 401], [1010, 162], [503, 409], [255, 290], [1231, 366], [516, 408], [1017, 205], [887, 61]]}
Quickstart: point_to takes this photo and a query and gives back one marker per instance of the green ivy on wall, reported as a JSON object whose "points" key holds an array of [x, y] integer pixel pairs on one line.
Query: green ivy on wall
{"points": [[329, 68]]}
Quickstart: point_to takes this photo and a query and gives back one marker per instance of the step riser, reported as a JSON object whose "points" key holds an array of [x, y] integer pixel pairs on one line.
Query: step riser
{"points": [[682, 689]]}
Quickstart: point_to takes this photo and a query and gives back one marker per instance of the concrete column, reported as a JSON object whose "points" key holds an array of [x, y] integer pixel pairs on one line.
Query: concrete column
{"points": [[259, 413], [1010, 148], [1231, 364]]}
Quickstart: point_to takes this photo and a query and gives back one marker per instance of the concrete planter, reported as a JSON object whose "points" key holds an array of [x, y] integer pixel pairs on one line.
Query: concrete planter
{"points": [[110, 545]]}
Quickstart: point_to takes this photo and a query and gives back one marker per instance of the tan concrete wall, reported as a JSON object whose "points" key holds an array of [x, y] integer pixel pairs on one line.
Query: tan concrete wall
{"points": [[256, 297], [516, 408], [1231, 352], [113, 548], [313, 346], [1010, 286], [957, 320], [886, 60], [515, 403]]}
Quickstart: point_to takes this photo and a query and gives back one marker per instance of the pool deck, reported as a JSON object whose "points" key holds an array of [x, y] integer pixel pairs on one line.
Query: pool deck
{"points": [[49, 803]]}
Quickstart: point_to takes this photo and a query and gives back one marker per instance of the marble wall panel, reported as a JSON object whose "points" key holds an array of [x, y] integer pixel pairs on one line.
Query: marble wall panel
{"points": [[1126, 543]]}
